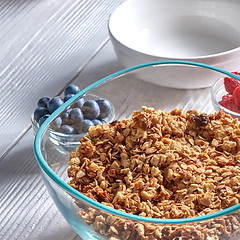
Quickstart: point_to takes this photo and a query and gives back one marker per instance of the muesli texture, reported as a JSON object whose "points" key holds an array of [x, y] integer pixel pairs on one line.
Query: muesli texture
{"points": [[161, 165]]}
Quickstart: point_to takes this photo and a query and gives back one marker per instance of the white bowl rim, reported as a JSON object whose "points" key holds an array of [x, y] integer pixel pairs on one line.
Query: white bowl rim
{"points": [[192, 58], [78, 195]]}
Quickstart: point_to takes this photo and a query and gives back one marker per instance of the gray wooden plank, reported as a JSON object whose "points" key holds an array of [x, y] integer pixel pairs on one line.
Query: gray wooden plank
{"points": [[26, 209], [42, 48]]}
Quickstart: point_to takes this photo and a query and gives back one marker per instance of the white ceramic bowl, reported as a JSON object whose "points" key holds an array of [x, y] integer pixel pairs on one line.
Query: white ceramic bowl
{"points": [[205, 31]]}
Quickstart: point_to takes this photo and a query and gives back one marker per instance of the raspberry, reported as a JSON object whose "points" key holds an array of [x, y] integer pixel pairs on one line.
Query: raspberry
{"points": [[230, 84], [236, 95], [237, 73], [229, 103]]}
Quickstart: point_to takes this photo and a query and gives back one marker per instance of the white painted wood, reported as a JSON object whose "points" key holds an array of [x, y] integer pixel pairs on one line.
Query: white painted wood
{"points": [[26, 209], [43, 44]]}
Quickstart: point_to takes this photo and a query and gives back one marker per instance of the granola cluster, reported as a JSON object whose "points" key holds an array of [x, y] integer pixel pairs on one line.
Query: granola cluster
{"points": [[161, 165]]}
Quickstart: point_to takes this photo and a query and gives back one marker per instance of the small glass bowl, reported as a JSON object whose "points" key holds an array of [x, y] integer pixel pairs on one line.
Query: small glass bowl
{"points": [[69, 142], [217, 92]]}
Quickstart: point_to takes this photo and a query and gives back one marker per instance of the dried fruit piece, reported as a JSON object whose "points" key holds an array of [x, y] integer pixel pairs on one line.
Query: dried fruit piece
{"points": [[200, 120]]}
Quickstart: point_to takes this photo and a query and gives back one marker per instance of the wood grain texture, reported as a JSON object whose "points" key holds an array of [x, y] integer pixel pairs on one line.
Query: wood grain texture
{"points": [[43, 44], [26, 209]]}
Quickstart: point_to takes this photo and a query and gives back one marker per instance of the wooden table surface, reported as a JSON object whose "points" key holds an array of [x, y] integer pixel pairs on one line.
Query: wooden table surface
{"points": [[45, 45]]}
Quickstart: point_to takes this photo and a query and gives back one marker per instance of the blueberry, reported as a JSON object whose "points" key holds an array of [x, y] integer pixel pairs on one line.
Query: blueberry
{"points": [[39, 112], [54, 104], [43, 102], [56, 123], [67, 97], [76, 116], [90, 109], [78, 103], [71, 89], [66, 129], [97, 122], [42, 119], [65, 114], [105, 108], [84, 126]]}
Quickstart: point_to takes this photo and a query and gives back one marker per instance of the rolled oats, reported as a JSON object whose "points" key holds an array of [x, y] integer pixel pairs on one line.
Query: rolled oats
{"points": [[161, 165]]}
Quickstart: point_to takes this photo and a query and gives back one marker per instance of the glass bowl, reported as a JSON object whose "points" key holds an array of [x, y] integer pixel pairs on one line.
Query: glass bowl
{"points": [[217, 92], [151, 30], [92, 220], [69, 142]]}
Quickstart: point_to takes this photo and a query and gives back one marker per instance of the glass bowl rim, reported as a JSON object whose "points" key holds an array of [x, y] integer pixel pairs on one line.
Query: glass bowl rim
{"points": [[226, 110], [73, 192]]}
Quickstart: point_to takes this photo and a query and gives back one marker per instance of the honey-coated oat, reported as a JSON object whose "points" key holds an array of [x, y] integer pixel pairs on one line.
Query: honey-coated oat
{"points": [[161, 165]]}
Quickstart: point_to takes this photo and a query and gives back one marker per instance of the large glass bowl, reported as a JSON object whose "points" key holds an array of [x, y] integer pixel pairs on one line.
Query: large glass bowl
{"points": [[128, 92]]}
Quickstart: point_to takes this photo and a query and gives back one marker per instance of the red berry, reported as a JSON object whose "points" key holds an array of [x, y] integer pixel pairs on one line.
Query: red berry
{"points": [[237, 73], [236, 96], [230, 84], [229, 103]]}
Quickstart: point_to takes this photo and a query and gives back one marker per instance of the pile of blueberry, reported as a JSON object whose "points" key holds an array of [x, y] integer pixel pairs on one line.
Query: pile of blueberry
{"points": [[76, 119]]}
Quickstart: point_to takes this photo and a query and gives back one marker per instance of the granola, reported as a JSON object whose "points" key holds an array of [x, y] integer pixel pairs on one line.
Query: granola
{"points": [[161, 165]]}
